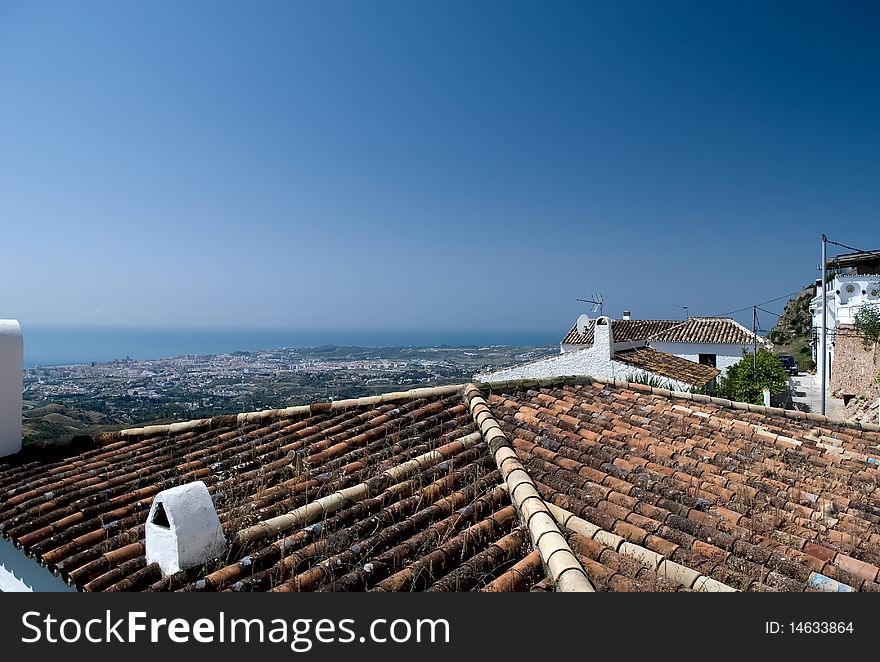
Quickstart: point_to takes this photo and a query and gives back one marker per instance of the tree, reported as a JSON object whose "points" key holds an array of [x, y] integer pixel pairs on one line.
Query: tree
{"points": [[746, 380], [867, 323]]}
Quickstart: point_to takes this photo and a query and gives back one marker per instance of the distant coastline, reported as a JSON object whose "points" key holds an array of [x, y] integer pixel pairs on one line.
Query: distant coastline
{"points": [[46, 346]]}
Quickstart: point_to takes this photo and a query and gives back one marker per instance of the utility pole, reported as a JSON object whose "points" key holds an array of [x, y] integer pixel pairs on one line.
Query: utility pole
{"points": [[823, 335], [755, 340]]}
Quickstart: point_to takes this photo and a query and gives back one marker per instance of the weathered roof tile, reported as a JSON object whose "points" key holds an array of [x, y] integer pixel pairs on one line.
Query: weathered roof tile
{"points": [[693, 330], [705, 485]]}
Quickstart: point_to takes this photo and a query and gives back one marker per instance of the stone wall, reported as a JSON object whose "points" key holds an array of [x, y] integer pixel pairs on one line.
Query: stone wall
{"points": [[853, 368]]}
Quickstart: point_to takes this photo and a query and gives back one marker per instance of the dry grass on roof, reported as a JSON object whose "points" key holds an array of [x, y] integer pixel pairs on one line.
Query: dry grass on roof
{"points": [[449, 526]]}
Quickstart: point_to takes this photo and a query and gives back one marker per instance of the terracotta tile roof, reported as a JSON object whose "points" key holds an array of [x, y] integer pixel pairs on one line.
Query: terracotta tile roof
{"points": [[450, 525], [694, 330], [623, 330], [750, 497], [667, 365], [533, 485]]}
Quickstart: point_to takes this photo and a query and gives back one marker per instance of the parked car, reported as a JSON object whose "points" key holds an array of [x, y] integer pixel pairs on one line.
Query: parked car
{"points": [[789, 364]]}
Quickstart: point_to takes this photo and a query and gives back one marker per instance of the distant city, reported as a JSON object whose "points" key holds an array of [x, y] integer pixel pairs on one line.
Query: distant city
{"points": [[60, 401], [45, 346]]}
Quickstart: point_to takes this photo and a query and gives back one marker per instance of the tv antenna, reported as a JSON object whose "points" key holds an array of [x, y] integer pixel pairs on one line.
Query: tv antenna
{"points": [[675, 305], [597, 302]]}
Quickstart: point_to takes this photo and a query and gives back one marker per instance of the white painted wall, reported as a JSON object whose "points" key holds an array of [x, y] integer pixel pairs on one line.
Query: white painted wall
{"points": [[563, 348], [726, 354], [11, 365], [593, 361], [10, 583], [582, 362], [853, 292], [21, 574]]}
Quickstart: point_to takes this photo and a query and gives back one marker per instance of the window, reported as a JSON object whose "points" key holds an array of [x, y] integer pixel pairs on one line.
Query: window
{"points": [[708, 359]]}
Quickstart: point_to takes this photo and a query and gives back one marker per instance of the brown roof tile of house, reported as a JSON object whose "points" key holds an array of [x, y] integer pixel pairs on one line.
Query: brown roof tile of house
{"points": [[744, 495], [83, 516], [621, 486], [694, 330], [667, 365], [623, 330]]}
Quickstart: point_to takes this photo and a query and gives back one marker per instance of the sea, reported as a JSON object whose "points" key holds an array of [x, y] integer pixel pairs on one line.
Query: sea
{"points": [[46, 346]]}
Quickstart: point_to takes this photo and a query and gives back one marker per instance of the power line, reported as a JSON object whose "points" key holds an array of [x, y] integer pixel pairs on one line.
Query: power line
{"points": [[738, 310], [784, 296], [752, 308]]}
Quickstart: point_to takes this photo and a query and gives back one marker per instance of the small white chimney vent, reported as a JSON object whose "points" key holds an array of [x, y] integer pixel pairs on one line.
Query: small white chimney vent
{"points": [[603, 336], [11, 364], [626, 314], [183, 529]]}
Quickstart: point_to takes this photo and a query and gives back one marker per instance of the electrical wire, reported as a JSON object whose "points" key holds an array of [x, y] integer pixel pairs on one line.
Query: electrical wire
{"points": [[755, 305], [850, 248]]}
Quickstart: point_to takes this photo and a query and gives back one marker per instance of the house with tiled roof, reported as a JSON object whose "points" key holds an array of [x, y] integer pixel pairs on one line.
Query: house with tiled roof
{"points": [[564, 484], [715, 341], [849, 370], [599, 352]]}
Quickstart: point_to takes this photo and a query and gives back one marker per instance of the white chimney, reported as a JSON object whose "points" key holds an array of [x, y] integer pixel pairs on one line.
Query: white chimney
{"points": [[183, 529], [626, 314], [603, 337], [11, 364]]}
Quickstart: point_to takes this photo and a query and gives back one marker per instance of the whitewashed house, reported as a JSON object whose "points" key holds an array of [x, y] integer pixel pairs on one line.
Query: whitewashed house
{"points": [[594, 348], [846, 295], [856, 285], [715, 341]]}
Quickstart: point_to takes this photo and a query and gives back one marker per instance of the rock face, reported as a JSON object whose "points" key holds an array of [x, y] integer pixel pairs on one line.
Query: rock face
{"points": [[862, 410], [795, 321]]}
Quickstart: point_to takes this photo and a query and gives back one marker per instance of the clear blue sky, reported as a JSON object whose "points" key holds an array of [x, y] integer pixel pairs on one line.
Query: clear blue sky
{"points": [[427, 165]]}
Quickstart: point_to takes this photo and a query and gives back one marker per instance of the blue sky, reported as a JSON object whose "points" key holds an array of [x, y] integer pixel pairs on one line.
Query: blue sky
{"points": [[427, 165]]}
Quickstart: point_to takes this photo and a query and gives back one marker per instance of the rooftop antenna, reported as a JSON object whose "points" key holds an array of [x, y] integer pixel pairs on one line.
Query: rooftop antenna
{"points": [[597, 302], [675, 305]]}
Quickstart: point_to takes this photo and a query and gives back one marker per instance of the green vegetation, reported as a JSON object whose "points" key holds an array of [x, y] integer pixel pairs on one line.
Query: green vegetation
{"points": [[651, 380], [793, 330], [867, 323], [709, 388], [746, 380]]}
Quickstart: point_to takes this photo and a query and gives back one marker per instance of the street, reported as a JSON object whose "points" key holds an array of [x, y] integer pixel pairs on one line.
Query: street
{"points": [[806, 391]]}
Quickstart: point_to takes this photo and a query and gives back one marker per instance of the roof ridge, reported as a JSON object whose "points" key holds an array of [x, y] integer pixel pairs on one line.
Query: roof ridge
{"points": [[563, 566], [287, 412], [685, 395], [662, 564]]}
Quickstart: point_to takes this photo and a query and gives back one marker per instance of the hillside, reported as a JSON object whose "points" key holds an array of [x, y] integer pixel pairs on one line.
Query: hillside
{"points": [[792, 332], [54, 420]]}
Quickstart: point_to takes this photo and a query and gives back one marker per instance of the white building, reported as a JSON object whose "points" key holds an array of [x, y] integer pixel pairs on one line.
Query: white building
{"points": [[845, 296], [597, 351], [715, 341]]}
